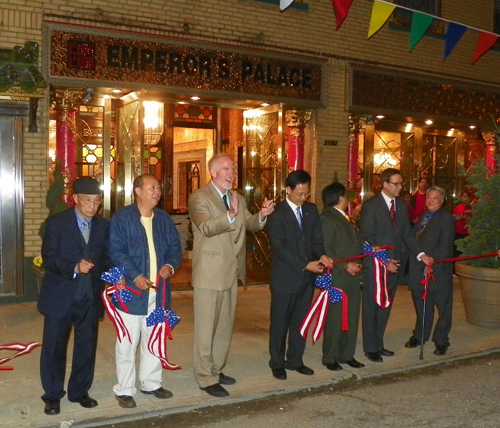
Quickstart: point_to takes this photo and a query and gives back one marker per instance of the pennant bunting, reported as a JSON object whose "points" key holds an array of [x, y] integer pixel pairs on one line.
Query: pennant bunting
{"points": [[484, 44], [285, 4], [380, 14], [420, 23], [341, 9], [453, 36]]}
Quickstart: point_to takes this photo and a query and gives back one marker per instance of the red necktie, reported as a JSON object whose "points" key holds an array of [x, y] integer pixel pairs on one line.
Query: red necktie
{"points": [[392, 212]]}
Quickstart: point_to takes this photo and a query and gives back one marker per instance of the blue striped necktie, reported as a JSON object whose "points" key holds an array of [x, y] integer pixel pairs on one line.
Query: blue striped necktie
{"points": [[86, 230]]}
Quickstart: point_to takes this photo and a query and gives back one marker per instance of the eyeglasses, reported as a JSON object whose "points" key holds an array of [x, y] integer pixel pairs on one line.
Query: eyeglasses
{"points": [[397, 184], [302, 195], [89, 201]]}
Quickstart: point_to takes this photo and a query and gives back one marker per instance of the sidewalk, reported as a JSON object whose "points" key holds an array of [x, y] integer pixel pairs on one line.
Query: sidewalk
{"points": [[20, 389]]}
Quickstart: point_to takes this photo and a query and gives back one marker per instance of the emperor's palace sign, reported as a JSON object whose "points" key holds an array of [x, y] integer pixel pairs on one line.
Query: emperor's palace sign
{"points": [[151, 60]]}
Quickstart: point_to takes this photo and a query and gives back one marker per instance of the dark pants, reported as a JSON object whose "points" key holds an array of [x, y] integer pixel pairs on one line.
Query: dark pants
{"points": [[56, 332], [287, 313]]}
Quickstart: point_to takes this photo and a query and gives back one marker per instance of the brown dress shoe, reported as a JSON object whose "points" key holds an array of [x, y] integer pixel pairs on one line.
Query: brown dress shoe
{"points": [[161, 393], [126, 401]]}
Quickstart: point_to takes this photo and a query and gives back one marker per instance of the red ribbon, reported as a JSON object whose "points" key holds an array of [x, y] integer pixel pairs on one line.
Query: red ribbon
{"points": [[383, 247], [428, 269], [21, 350]]}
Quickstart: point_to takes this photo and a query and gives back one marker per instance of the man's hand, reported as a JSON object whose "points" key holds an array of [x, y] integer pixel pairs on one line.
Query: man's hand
{"points": [[233, 211], [165, 271], [84, 266], [267, 209], [353, 268], [143, 283], [392, 266], [428, 260], [326, 261], [315, 267]]}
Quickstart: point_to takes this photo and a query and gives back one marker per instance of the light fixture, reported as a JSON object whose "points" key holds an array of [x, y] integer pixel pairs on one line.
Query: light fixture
{"points": [[408, 127], [195, 98], [153, 122], [429, 122], [88, 95], [380, 116], [116, 91], [472, 126], [265, 105]]}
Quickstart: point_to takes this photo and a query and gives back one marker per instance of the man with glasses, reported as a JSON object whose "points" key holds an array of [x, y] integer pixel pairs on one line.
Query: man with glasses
{"points": [[75, 253], [384, 221], [145, 242], [299, 255]]}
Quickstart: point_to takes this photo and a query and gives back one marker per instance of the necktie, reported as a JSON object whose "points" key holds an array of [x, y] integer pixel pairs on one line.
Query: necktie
{"points": [[224, 198], [86, 230], [423, 223], [392, 212], [299, 217]]}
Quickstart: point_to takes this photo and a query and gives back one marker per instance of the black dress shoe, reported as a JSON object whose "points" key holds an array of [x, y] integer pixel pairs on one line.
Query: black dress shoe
{"points": [[52, 407], [333, 366], [87, 402], [412, 343], [302, 370], [279, 373], [374, 356], [386, 352], [440, 350], [215, 390], [226, 380], [126, 401], [161, 393], [355, 364]]}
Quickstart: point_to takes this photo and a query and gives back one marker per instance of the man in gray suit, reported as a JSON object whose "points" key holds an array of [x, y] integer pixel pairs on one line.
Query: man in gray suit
{"points": [[384, 221], [434, 233], [220, 220], [342, 241]]}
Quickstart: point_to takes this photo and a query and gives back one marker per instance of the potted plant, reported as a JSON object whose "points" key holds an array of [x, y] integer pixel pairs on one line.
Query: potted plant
{"points": [[480, 278]]}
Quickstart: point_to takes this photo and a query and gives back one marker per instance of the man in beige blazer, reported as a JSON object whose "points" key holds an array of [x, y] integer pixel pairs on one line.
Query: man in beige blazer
{"points": [[220, 220]]}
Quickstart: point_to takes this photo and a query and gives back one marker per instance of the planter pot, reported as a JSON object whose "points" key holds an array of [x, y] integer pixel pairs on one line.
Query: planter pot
{"points": [[480, 289]]}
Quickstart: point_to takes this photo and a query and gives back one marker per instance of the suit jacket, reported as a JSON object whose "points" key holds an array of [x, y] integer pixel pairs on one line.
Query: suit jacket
{"points": [[219, 248], [436, 240], [376, 226], [62, 249], [342, 241], [292, 250]]}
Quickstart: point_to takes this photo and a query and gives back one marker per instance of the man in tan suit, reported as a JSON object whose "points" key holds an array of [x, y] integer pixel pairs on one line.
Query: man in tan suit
{"points": [[220, 220]]}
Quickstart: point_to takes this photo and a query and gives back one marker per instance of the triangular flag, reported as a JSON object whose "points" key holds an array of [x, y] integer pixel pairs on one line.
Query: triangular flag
{"points": [[341, 8], [484, 43], [419, 25], [453, 36], [284, 4], [380, 14]]}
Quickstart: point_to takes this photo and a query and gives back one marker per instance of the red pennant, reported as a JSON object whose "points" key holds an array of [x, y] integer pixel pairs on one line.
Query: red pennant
{"points": [[341, 8], [484, 44]]}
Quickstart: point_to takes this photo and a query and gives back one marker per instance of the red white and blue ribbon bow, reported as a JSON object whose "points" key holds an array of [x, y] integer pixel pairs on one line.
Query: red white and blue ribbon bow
{"points": [[380, 259], [120, 297], [21, 350], [320, 306], [163, 321]]}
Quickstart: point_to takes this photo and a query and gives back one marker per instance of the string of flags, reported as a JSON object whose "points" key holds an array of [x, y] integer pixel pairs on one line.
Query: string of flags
{"points": [[382, 10]]}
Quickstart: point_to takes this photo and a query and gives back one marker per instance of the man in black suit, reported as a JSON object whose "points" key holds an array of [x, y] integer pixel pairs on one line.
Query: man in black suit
{"points": [[434, 234], [299, 254], [342, 241], [75, 253], [384, 221]]}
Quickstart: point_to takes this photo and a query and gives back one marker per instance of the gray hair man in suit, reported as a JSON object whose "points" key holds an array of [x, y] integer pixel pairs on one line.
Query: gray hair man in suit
{"points": [[220, 220]]}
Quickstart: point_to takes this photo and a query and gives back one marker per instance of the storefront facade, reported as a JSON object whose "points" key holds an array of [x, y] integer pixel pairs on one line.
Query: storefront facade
{"points": [[294, 94]]}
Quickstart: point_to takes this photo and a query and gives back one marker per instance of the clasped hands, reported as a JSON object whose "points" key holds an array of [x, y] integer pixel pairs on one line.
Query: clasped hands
{"points": [[318, 266]]}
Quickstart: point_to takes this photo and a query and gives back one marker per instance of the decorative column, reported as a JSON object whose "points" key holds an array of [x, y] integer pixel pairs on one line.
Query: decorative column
{"points": [[296, 122], [356, 127], [491, 148], [66, 104]]}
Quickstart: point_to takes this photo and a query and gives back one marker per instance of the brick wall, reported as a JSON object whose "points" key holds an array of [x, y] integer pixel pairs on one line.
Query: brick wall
{"points": [[256, 25]]}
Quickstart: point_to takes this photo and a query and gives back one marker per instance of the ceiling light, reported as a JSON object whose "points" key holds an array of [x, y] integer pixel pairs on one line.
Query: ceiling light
{"points": [[429, 122], [265, 104], [380, 116], [472, 126], [116, 91], [408, 127], [195, 98]]}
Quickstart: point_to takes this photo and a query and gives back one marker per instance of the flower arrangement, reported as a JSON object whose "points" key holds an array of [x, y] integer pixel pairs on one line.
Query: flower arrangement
{"points": [[38, 261]]}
